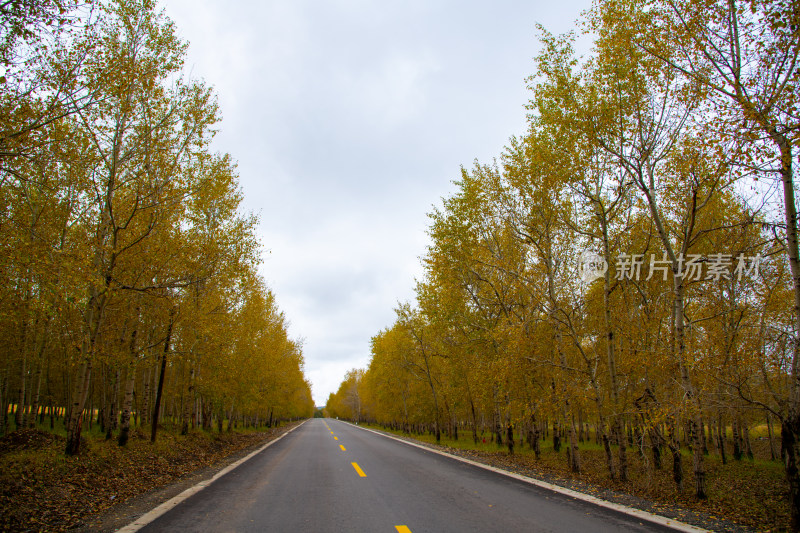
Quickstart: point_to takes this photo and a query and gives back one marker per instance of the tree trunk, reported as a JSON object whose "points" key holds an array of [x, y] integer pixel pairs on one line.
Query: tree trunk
{"points": [[612, 473], [622, 451], [19, 414], [697, 461], [770, 433], [790, 429], [534, 437], [474, 421], [111, 406], [703, 437], [3, 406], [737, 440], [94, 317], [748, 448], [74, 425], [157, 407], [497, 429], [675, 448], [188, 403], [37, 396], [556, 437], [689, 391], [574, 456], [207, 413], [790, 425], [127, 402], [146, 395], [130, 384]]}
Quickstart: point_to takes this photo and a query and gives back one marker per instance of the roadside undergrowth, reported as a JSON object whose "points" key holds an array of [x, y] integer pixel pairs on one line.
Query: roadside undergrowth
{"points": [[41, 489]]}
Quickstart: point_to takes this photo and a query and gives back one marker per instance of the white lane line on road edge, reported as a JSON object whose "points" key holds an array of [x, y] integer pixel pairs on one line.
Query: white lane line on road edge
{"points": [[638, 513], [151, 515]]}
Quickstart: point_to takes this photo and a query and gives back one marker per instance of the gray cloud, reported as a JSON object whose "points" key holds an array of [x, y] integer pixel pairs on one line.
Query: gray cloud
{"points": [[349, 119]]}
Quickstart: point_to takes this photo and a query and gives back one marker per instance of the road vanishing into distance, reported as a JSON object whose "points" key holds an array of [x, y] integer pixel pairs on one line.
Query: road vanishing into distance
{"points": [[331, 476]]}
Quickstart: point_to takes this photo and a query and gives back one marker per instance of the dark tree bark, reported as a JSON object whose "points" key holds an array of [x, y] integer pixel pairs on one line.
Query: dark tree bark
{"points": [[154, 425]]}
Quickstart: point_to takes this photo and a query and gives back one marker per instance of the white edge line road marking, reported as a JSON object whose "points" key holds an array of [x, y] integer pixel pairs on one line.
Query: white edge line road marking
{"points": [[644, 515], [151, 515]]}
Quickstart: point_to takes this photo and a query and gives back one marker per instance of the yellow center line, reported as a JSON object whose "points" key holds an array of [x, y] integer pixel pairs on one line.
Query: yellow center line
{"points": [[335, 438], [402, 529], [358, 469], [331, 431], [342, 447]]}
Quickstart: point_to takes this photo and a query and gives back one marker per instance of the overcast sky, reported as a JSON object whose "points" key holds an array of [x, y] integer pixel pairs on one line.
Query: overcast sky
{"points": [[349, 121]]}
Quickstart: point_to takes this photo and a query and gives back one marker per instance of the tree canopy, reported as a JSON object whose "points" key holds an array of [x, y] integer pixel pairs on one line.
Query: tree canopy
{"points": [[624, 263], [130, 290]]}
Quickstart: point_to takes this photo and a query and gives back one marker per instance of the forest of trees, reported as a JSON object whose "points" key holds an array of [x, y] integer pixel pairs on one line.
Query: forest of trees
{"points": [[668, 155], [129, 289]]}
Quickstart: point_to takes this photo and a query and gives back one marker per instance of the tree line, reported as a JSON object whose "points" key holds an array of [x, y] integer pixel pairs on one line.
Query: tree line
{"points": [[630, 263], [129, 290]]}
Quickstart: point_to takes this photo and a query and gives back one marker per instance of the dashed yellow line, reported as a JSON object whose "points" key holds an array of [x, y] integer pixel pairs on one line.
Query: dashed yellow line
{"points": [[342, 447], [402, 529], [358, 469], [335, 438]]}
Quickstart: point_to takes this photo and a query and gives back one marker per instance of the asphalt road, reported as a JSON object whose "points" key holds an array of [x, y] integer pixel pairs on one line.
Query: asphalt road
{"points": [[330, 476]]}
